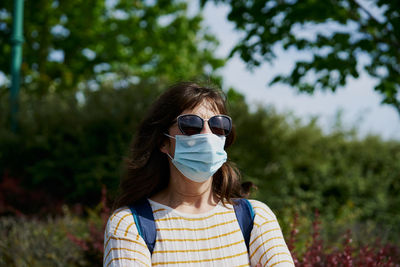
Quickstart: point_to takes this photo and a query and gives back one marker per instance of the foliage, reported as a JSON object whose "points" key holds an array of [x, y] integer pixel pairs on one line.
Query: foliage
{"points": [[39, 242], [71, 148], [69, 239], [48, 243], [16, 199], [316, 253], [353, 182], [344, 37], [93, 244], [71, 45]]}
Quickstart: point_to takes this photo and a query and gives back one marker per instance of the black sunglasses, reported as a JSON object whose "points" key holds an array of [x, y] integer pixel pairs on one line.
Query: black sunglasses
{"points": [[190, 124]]}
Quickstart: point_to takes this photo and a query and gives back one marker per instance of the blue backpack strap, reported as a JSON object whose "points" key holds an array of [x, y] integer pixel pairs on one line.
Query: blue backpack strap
{"points": [[144, 220], [245, 216]]}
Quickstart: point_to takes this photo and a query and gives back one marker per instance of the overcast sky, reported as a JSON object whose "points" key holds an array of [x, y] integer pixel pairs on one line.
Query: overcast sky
{"points": [[359, 103]]}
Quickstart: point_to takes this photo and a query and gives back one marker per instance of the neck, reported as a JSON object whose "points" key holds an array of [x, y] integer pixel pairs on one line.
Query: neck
{"points": [[187, 196]]}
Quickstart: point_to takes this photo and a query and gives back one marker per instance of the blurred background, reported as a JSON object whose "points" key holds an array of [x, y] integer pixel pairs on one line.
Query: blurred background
{"points": [[312, 87]]}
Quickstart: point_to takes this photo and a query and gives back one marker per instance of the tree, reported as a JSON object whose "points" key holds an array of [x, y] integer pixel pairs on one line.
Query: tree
{"points": [[70, 43], [344, 31]]}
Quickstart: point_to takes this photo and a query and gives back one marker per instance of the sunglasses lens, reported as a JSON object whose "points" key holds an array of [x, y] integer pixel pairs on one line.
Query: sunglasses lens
{"points": [[220, 125], [190, 124]]}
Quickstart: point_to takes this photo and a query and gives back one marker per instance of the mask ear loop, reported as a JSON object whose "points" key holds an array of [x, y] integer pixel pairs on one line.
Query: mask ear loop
{"points": [[169, 137]]}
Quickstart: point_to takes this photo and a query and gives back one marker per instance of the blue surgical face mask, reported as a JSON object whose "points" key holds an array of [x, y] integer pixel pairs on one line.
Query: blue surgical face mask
{"points": [[198, 156]]}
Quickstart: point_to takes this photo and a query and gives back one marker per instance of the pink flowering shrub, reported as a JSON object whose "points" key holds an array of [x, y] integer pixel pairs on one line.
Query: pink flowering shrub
{"points": [[319, 254], [92, 245]]}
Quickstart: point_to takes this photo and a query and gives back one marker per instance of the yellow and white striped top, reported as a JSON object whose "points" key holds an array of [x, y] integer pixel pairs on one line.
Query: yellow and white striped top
{"points": [[213, 238]]}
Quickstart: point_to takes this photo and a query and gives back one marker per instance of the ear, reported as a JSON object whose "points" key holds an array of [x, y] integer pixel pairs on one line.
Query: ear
{"points": [[165, 146]]}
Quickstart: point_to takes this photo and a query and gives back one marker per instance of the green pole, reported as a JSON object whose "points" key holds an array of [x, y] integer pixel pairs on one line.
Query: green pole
{"points": [[17, 39]]}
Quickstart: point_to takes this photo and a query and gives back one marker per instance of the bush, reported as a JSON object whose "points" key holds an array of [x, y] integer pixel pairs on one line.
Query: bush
{"points": [[65, 150], [70, 240], [297, 167], [69, 149], [93, 242], [34, 242], [316, 253]]}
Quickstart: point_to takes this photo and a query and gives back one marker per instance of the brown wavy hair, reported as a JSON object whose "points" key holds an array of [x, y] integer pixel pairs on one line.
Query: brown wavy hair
{"points": [[147, 168]]}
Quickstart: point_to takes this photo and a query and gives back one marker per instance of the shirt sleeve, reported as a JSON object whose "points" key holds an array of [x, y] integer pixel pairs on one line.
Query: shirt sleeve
{"points": [[123, 246], [267, 245]]}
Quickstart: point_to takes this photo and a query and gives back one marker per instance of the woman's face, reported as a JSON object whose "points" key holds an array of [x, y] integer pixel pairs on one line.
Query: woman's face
{"points": [[205, 110]]}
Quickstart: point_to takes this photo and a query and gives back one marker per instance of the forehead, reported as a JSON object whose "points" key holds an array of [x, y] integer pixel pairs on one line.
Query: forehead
{"points": [[204, 109]]}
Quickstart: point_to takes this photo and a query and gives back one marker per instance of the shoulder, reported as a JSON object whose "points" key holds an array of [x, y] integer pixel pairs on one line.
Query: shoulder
{"points": [[267, 244], [261, 210], [121, 223], [123, 246]]}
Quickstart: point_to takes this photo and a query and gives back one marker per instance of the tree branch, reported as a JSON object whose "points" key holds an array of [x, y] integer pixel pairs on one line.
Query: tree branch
{"points": [[366, 11], [384, 24]]}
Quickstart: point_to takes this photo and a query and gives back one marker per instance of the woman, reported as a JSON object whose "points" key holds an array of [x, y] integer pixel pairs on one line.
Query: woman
{"points": [[178, 164]]}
